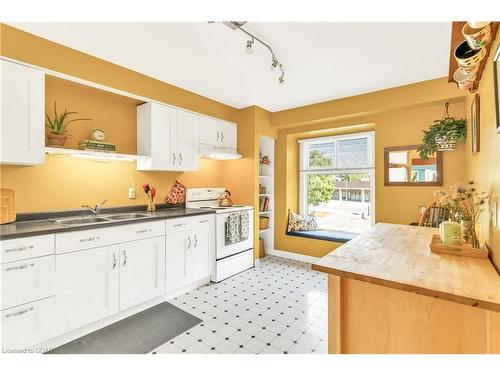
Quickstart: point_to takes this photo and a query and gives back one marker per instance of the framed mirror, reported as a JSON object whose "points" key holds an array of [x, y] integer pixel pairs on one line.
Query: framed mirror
{"points": [[404, 167]]}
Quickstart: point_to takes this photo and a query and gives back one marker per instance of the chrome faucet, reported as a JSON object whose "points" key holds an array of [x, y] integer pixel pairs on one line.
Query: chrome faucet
{"points": [[97, 209]]}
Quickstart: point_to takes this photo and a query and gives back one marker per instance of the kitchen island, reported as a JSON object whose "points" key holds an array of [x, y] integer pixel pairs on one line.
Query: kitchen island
{"points": [[387, 293]]}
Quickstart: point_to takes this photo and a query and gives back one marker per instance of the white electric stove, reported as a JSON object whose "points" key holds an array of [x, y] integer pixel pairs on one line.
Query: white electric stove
{"points": [[231, 257]]}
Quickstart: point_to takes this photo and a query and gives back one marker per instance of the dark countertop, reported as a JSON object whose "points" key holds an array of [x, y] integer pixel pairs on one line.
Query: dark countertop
{"points": [[38, 223]]}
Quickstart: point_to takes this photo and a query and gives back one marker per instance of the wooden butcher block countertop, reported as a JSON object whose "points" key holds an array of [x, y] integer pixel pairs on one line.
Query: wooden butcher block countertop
{"points": [[398, 256]]}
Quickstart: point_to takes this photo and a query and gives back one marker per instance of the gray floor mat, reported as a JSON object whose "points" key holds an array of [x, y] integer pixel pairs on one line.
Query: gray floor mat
{"points": [[138, 334]]}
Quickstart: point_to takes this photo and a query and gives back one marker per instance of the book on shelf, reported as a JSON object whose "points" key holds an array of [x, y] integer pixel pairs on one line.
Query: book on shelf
{"points": [[264, 204], [89, 145]]}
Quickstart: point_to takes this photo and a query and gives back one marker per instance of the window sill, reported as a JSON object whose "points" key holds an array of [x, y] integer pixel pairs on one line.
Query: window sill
{"points": [[325, 235]]}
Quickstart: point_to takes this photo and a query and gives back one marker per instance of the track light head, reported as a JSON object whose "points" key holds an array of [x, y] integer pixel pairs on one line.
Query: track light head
{"points": [[281, 80], [249, 48], [274, 63]]}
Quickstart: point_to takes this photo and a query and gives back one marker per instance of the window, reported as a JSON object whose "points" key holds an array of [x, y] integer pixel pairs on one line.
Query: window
{"points": [[336, 181]]}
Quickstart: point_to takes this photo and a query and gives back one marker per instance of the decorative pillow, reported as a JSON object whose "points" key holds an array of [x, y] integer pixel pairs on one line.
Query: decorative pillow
{"points": [[176, 194], [297, 222]]}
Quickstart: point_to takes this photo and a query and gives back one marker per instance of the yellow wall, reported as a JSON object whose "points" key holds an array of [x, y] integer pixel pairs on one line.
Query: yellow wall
{"points": [[483, 167], [66, 183], [243, 175], [395, 127]]}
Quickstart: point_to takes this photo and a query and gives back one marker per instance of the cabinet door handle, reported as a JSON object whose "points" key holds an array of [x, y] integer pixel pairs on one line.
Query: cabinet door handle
{"points": [[203, 221], [180, 158], [195, 240], [114, 261], [175, 159], [24, 266], [90, 239], [23, 248], [179, 225], [22, 312], [144, 230], [222, 137], [217, 136], [124, 258], [189, 242]]}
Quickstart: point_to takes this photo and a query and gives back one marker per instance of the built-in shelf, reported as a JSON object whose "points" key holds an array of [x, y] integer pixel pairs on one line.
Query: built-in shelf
{"points": [[92, 154], [266, 183]]}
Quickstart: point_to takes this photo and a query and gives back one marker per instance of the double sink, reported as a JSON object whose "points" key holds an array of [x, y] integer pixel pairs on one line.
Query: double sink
{"points": [[98, 219]]}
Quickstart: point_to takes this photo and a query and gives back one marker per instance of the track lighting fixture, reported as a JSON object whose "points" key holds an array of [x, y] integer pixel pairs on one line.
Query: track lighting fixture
{"points": [[249, 47], [274, 64]]}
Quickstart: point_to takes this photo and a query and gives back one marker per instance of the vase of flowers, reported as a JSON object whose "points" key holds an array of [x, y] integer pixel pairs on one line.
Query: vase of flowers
{"points": [[263, 160], [151, 194], [466, 205]]}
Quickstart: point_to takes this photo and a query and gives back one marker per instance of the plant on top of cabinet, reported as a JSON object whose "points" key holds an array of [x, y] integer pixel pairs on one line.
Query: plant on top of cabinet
{"points": [[443, 135], [59, 126]]}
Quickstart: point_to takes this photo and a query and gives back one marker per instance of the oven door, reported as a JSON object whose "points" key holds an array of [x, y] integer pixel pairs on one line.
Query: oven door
{"points": [[223, 250]]}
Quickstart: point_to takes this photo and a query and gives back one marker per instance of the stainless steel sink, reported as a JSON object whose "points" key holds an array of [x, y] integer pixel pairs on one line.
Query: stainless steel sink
{"points": [[101, 219], [127, 216], [82, 221]]}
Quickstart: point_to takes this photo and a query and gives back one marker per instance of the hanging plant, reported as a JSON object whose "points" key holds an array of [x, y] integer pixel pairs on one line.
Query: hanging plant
{"points": [[443, 135]]}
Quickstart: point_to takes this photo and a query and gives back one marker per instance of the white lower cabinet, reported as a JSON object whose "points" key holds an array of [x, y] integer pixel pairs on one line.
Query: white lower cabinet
{"points": [[97, 273], [199, 256], [87, 285], [176, 262], [190, 254], [142, 271], [28, 324]]}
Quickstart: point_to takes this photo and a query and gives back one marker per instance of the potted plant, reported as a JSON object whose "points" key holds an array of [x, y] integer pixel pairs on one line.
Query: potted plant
{"points": [[59, 126], [466, 205], [443, 135]]}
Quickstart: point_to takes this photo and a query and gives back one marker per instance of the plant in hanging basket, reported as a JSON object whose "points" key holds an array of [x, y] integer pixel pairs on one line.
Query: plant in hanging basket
{"points": [[443, 135]]}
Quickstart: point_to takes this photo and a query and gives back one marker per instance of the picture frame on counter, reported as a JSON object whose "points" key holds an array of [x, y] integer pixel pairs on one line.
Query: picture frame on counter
{"points": [[475, 124], [496, 78]]}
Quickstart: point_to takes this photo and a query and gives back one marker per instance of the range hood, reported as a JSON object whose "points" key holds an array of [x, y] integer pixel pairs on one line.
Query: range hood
{"points": [[218, 153]]}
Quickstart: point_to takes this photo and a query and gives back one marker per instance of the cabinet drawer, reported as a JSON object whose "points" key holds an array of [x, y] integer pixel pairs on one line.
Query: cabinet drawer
{"points": [[145, 230], [27, 280], [91, 238], [87, 239], [26, 325], [204, 220], [178, 225], [27, 247]]}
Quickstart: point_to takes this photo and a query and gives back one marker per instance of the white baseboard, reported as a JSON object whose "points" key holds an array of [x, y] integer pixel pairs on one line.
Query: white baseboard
{"points": [[294, 256]]}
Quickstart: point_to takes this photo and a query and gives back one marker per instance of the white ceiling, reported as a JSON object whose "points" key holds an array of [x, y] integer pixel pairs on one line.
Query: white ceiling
{"points": [[322, 61]]}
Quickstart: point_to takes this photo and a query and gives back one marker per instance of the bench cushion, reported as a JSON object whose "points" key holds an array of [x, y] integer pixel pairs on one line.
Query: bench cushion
{"points": [[325, 234]]}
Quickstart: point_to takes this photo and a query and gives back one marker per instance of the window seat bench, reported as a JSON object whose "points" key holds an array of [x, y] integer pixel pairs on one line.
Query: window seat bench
{"points": [[325, 234]]}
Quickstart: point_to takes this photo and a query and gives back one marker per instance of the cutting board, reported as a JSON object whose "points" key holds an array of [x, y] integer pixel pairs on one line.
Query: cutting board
{"points": [[7, 206]]}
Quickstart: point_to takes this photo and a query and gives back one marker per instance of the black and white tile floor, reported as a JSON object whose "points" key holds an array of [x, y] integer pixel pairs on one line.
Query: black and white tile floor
{"points": [[279, 307]]}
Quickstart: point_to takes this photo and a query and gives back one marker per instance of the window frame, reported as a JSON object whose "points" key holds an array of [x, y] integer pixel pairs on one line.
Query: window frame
{"points": [[305, 170]]}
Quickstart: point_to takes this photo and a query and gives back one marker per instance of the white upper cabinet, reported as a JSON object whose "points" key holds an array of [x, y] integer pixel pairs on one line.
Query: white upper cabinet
{"points": [[168, 136], [22, 114], [187, 140], [217, 133]]}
